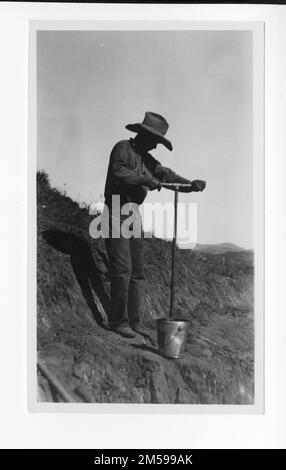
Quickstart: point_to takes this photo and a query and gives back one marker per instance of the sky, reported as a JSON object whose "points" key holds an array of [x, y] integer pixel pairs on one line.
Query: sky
{"points": [[90, 84]]}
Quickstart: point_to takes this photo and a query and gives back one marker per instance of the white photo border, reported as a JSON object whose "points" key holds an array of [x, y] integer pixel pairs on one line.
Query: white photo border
{"points": [[257, 28]]}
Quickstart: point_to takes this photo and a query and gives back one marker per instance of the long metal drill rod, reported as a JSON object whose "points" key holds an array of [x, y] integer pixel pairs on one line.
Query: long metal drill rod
{"points": [[176, 187], [174, 252]]}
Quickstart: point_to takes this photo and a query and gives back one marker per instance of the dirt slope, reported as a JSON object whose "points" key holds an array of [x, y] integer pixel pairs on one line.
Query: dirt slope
{"points": [[215, 292]]}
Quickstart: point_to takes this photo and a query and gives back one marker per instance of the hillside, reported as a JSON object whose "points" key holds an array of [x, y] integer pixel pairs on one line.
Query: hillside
{"points": [[218, 248], [214, 291]]}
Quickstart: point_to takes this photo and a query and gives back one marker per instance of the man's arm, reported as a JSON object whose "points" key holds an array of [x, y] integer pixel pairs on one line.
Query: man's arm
{"points": [[166, 175]]}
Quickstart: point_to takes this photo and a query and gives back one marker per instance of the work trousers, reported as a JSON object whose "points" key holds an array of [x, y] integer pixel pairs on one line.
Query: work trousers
{"points": [[126, 256]]}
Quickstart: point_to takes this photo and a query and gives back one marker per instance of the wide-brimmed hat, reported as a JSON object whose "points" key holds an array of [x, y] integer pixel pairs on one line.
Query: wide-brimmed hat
{"points": [[154, 124]]}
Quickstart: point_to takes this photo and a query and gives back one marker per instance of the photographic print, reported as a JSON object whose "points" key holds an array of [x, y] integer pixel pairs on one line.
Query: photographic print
{"points": [[148, 166]]}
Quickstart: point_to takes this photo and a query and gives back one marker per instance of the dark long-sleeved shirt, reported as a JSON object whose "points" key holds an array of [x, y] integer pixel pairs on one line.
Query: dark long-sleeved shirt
{"points": [[129, 172]]}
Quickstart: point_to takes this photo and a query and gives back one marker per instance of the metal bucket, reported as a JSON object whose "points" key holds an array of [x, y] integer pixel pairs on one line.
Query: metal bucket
{"points": [[171, 337]]}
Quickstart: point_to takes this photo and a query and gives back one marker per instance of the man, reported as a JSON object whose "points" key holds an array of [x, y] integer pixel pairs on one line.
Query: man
{"points": [[131, 173]]}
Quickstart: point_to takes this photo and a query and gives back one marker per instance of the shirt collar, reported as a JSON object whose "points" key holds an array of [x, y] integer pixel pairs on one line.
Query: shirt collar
{"points": [[132, 142]]}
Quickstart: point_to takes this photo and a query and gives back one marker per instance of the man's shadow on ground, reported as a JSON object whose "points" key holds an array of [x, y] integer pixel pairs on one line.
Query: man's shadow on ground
{"points": [[88, 274]]}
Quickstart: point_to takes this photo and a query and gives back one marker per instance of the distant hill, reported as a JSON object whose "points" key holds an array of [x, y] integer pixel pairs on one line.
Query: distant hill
{"points": [[218, 248], [213, 291]]}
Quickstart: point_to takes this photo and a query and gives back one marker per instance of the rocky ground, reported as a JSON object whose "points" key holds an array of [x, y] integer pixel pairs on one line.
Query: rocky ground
{"points": [[214, 292]]}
